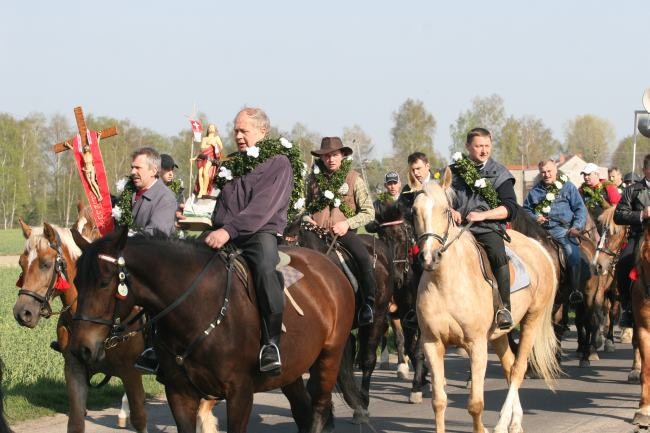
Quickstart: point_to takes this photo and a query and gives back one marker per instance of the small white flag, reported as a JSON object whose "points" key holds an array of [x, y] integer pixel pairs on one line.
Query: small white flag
{"points": [[197, 129]]}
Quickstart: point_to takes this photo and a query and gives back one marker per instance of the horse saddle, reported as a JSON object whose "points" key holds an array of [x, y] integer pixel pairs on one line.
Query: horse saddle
{"points": [[519, 278]]}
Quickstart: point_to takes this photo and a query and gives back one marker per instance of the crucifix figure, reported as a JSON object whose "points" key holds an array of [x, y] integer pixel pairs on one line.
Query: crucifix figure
{"points": [[88, 158]]}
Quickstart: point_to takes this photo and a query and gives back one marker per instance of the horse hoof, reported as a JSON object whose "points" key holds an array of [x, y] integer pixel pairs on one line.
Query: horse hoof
{"points": [[584, 363], [634, 377], [384, 366], [609, 346], [594, 357], [361, 416], [403, 371], [515, 429], [122, 422], [415, 397], [641, 420], [626, 336]]}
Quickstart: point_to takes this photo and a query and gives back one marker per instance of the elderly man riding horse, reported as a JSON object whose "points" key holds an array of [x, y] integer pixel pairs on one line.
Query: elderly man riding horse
{"points": [[338, 199], [487, 201]]}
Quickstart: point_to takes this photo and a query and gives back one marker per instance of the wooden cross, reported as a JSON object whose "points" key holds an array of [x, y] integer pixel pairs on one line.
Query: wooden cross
{"points": [[81, 125]]}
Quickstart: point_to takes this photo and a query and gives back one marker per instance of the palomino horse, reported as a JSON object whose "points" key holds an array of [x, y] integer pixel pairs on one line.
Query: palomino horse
{"points": [[208, 325], [49, 252], [641, 309], [455, 306], [313, 237], [398, 232]]}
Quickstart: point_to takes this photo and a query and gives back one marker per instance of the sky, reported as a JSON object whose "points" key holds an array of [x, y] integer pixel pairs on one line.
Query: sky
{"points": [[328, 65]]}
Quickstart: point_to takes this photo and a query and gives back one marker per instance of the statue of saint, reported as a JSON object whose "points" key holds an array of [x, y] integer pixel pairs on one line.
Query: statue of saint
{"points": [[89, 172], [206, 161]]}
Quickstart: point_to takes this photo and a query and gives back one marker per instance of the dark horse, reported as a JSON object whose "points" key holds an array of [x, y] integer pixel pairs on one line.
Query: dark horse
{"points": [[51, 251], [208, 325], [312, 237], [397, 231]]}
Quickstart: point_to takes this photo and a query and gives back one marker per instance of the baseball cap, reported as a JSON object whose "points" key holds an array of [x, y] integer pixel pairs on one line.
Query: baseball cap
{"points": [[167, 162], [391, 176], [590, 168], [631, 178]]}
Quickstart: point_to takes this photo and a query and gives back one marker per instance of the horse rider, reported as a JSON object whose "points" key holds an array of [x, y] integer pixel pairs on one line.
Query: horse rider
{"points": [[250, 212], [488, 203], [632, 210], [385, 199], [419, 173], [556, 205], [598, 195], [338, 200]]}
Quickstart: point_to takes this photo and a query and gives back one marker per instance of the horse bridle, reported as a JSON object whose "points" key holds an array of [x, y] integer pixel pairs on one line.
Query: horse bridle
{"points": [[410, 240], [602, 248], [444, 245], [59, 268]]}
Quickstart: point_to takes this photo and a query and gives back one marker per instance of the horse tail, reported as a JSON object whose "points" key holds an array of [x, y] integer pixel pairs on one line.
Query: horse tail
{"points": [[543, 357], [345, 380]]}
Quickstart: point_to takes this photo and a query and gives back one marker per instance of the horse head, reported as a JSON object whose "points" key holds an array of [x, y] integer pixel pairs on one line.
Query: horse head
{"points": [[609, 246], [46, 267], [99, 272], [431, 217]]}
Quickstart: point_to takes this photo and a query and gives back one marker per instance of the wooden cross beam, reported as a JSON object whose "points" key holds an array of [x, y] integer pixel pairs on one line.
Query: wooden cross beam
{"points": [[81, 125]]}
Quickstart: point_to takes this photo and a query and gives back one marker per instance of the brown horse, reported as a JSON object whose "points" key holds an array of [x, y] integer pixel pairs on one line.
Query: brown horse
{"points": [[208, 326], [641, 309], [49, 252], [456, 307], [4, 427]]}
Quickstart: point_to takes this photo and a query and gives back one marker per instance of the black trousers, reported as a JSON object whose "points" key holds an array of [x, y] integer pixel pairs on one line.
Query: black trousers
{"points": [[624, 266], [360, 254], [495, 248], [261, 253]]}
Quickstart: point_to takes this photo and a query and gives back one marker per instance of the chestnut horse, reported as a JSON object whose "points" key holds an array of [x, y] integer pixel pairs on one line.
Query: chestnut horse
{"points": [[208, 325], [455, 306], [49, 252], [641, 310]]}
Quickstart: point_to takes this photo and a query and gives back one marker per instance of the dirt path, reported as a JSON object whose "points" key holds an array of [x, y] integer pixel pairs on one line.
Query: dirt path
{"points": [[9, 260]]}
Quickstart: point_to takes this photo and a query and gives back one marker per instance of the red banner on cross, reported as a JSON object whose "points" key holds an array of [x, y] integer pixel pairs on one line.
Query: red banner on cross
{"points": [[91, 170]]}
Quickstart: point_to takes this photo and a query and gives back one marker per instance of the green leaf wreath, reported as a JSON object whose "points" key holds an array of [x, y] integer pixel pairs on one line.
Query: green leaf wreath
{"points": [[385, 197], [594, 197], [329, 188], [242, 163], [176, 186], [468, 172], [123, 210], [553, 191]]}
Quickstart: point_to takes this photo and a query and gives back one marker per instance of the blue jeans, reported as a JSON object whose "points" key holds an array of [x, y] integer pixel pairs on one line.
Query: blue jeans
{"points": [[571, 250]]}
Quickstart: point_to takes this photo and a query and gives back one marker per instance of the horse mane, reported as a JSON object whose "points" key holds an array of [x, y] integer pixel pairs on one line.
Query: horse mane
{"points": [[37, 240], [524, 223], [607, 218]]}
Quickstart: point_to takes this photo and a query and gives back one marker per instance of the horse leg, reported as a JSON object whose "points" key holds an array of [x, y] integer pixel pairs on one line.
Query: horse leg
{"points": [[123, 414], [419, 371], [634, 376], [184, 407], [435, 352], [77, 387], [478, 364], [206, 422], [369, 337], [506, 356], [132, 380], [322, 378], [402, 366], [300, 402], [583, 342]]}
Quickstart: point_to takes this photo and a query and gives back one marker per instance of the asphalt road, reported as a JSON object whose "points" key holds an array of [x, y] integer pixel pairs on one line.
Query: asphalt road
{"points": [[596, 399]]}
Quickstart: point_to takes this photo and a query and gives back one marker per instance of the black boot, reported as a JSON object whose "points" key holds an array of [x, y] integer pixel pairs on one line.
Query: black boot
{"points": [[576, 296], [147, 362], [54, 345], [410, 320], [503, 317], [627, 317], [270, 362], [366, 315]]}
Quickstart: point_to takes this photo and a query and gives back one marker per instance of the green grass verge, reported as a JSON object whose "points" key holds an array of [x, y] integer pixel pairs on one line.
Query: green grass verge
{"points": [[33, 382], [12, 242]]}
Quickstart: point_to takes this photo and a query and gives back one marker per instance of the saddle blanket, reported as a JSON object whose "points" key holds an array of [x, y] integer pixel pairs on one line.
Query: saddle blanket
{"points": [[522, 279]]}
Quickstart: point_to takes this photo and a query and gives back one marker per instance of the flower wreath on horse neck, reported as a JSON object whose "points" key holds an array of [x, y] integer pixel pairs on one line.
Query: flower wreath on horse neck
{"points": [[595, 197], [467, 170], [123, 209], [544, 206], [241, 163], [331, 187]]}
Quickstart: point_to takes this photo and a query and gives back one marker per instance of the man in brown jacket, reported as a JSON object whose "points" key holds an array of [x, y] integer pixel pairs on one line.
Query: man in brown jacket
{"points": [[338, 200]]}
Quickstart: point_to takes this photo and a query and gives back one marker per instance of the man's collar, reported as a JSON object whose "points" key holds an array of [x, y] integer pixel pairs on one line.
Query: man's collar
{"points": [[150, 186]]}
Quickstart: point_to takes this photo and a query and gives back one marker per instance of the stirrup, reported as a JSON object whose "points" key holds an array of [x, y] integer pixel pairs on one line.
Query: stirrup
{"points": [[503, 319], [274, 365], [576, 297], [410, 320], [147, 362], [365, 310]]}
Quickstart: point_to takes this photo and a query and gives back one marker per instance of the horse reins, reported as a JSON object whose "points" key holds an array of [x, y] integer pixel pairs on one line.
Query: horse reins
{"points": [[59, 268], [444, 245], [407, 245]]}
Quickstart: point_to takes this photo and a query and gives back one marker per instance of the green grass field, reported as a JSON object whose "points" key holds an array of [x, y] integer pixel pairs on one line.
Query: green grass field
{"points": [[12, 242], [33, 373]]}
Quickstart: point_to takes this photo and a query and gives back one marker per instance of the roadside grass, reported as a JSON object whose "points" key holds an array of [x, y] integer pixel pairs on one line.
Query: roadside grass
{"points": [[33, 382], [12, 242]]}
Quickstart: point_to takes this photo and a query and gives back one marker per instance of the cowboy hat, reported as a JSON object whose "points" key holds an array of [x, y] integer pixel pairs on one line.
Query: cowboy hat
{"points": [[330, 144]]}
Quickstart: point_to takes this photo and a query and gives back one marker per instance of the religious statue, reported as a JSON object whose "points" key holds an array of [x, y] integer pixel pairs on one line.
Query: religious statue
{"points": [[206, 161], [89, 172]]}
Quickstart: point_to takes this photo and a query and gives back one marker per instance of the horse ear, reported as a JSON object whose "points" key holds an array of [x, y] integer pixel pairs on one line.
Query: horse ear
{"points": [[446, 178], [27, 229], [121, 235], [49, 233], [81, 242], [80, 206]]}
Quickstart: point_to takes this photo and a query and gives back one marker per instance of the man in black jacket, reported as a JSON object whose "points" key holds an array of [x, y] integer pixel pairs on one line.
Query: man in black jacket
{"points": [[632, 210]]}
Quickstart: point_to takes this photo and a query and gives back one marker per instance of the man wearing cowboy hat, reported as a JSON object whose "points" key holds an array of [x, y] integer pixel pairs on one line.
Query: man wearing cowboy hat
{"points": [[340, 202]]}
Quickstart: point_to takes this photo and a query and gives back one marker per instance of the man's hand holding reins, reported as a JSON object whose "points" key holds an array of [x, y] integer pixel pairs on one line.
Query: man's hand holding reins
{"points": [[340, 228], [217, 238]]}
